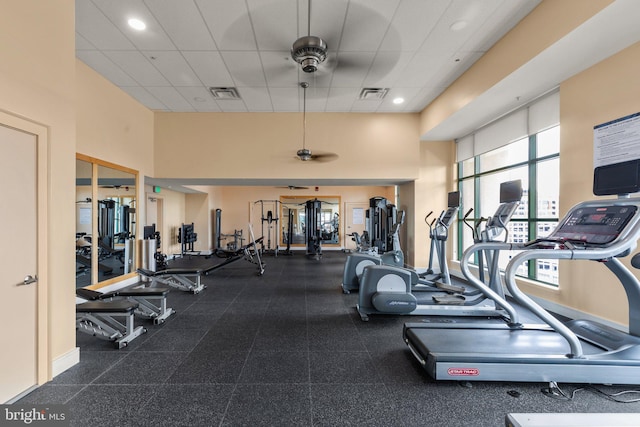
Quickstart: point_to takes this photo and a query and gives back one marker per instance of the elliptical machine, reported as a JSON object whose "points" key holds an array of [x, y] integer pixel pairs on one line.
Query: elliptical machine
{"points": [[391, 290], [439, 234], [355, 263]]}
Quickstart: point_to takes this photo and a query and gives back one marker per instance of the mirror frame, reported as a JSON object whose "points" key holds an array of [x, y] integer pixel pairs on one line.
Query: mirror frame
{"points": [[95, 284]]}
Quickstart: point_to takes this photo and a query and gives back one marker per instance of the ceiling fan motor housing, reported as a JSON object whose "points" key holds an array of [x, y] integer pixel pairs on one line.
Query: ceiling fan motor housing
{"points": [[309, 52], [304, 154]]}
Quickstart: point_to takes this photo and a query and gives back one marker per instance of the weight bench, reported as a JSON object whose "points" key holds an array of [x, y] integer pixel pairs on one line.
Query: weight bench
{"points": [[189, 280], [100, 319], [144, 297]]}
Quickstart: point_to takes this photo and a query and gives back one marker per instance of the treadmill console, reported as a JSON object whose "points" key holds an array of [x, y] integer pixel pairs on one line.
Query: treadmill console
{"points": [[594, 225]]}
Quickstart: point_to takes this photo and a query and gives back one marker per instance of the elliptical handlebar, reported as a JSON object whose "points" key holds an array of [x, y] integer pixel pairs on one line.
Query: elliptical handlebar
{"points": [[426, 218], [474, 227]]}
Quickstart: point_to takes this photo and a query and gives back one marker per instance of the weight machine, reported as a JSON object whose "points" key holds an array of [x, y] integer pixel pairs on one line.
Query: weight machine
{"points": [[381, 218], [187, 237], [288, 235], [313, 228], [272, 224]]}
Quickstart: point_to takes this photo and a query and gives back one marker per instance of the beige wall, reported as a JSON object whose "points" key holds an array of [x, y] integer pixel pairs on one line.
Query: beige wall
{"points": [[602, 93], [263, 145], [546, 24], [113, 127], [37, 82], [197, 212], [428, 193]]}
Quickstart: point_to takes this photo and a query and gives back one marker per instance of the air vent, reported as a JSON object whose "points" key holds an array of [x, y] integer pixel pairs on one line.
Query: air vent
{"points": [[373, 93], [224, 93]]}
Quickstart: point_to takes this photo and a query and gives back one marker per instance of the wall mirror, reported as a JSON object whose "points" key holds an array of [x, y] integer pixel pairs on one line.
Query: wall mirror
{"points": [[105, 221], [293, 209]]}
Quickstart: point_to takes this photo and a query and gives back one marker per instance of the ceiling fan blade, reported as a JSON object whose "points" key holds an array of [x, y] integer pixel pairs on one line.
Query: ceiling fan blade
{"points": [[324, 157]]}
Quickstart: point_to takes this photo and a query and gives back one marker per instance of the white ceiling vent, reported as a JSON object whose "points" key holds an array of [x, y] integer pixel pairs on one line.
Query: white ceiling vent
{"points": [[224, 93], [373, 93]]}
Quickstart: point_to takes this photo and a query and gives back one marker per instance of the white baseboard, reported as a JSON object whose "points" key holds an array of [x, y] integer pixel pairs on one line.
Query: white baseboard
{"points": [[65, 362]]}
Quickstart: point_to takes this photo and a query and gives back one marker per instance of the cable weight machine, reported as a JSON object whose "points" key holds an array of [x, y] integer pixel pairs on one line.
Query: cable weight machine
{"points": [[271, 221]]}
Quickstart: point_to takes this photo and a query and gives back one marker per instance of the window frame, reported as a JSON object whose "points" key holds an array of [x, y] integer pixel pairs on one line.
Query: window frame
{"points": [[532, 220]]}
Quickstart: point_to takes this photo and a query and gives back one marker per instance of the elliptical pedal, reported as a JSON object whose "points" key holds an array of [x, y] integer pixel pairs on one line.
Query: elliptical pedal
{"points": [[454, 289], [449, 299]]}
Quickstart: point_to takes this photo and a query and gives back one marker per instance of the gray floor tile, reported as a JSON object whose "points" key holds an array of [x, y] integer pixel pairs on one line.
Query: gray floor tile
{"points": [[269, 405], [276, 367]]}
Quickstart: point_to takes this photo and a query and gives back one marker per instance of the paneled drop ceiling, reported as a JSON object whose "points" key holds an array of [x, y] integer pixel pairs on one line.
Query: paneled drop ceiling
{"points": [[413, 48]]}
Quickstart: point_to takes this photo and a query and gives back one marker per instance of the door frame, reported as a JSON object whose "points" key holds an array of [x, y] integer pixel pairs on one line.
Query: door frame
{"points": [[41, 133]]}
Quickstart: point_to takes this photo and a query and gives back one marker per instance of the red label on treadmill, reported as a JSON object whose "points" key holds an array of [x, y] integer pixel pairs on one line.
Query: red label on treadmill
{"points": [[463, 372]]}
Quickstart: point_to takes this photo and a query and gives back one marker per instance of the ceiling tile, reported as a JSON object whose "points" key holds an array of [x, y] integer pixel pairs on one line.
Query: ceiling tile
{"points": [[138, 67], [316, 98], [200, 99], [256, 99], [327, 19], [97, 29], [279, 68], [387, 68], [82, 43], [143, 96], [242, 66], [341, 99], [412, 23], [366, 24], [274, 23], [98, 61], [119, 12], [229, 23], [285, 99], [352, 68], [209, 67], [183, 23], [365, 106], [233, 106], [170, 97], [173, 67]]}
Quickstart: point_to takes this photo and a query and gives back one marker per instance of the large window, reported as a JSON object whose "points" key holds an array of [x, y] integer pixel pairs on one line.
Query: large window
{"points": [[535, 161]]}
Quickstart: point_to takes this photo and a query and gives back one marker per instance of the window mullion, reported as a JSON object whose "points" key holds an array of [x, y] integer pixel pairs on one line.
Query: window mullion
{"points": [[533, 201]]}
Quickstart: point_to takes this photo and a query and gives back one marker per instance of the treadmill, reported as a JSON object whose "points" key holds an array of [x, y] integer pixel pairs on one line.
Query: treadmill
{"points": [[577, 351]]}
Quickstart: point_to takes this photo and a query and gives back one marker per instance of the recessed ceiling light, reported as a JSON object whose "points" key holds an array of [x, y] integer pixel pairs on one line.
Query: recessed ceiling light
{"points": [[137, 24], [458, 25], [398, 100]]}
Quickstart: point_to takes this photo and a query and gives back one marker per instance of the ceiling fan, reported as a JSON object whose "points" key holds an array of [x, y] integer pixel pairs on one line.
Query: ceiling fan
{"points": [[309, 51], [304, 153], [294, 187]]}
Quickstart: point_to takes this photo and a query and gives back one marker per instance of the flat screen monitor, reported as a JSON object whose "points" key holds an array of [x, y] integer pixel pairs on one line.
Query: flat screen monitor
{"points": [[149, 231], [453, 199], [511, 191], [617, 178]]}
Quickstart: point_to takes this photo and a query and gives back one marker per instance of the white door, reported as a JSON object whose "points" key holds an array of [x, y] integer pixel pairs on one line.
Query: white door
{"points": [[18, 257], [355, 221]]}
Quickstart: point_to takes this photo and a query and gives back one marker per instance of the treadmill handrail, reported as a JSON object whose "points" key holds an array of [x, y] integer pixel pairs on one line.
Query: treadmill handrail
{"points": [[514, 318], [625, 241]]}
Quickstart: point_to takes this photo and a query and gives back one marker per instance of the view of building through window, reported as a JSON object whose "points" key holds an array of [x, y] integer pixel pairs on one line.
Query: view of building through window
{"points": [[535, 162]]}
